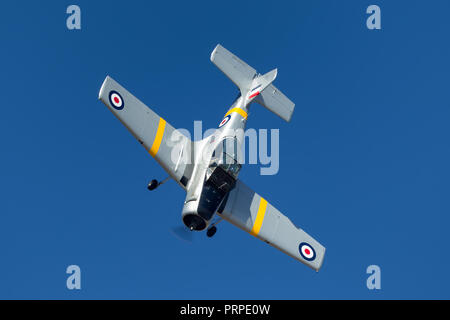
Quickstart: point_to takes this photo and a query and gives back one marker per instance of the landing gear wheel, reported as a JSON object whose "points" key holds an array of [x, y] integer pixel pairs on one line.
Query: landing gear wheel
{"points": [[152, 185], [211, 231]]}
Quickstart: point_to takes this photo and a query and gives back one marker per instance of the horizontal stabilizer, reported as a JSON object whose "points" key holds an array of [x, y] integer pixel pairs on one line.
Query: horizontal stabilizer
{"points": [[274, 100], [240, 73]]}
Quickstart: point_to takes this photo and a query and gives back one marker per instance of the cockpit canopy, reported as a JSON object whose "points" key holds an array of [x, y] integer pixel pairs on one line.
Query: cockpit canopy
{"points": [[225, 156]]}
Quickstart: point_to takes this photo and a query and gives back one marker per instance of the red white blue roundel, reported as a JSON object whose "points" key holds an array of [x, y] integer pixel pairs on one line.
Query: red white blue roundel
{"points": [[224, 121], [116, 100], [306, 251]]}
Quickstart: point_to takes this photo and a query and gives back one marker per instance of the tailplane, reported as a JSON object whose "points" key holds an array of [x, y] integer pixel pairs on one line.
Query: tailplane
{"points": [[252, 85]]}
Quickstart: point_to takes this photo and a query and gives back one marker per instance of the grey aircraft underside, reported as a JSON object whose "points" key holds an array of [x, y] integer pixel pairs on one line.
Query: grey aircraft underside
{"points": [[208, 169]]}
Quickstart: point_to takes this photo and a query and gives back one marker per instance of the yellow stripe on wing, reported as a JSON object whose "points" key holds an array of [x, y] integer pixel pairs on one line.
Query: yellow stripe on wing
{"points": [[237, 110], [159, 136], [259, 217]]}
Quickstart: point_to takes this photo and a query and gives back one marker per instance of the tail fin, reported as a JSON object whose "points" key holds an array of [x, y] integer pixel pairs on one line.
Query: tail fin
{"points": [[252, 85]]}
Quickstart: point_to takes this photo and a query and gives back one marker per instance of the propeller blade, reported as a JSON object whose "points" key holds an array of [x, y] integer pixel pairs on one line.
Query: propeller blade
{"points": [[182, 233]]}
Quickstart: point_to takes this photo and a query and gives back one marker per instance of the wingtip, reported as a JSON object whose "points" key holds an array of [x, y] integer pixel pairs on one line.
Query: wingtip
{"points": [[214, 51], [323, 258]]}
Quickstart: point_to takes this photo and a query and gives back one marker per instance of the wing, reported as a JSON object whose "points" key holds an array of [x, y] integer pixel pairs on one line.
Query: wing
{"points": [[249, 211], [170, 148]]}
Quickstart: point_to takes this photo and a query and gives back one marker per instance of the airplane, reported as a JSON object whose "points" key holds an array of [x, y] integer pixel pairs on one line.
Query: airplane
{"points": [[208, 169]]}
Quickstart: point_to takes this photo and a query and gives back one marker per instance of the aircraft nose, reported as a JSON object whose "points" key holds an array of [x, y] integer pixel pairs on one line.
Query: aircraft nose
{"points": [[194, 222]]}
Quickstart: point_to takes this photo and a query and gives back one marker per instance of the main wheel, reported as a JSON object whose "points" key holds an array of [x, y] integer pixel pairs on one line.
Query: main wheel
{"points": [[211, 231], [152, 185]]}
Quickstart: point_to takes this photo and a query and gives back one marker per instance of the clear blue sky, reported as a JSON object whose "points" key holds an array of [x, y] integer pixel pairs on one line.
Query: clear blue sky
{"points": [[363, 163]]}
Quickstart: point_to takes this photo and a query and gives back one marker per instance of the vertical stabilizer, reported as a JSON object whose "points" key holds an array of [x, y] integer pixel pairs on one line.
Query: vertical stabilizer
{"points": [[253, 86]]}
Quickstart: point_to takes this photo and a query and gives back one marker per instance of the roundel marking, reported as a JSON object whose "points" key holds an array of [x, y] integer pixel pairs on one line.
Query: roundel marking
{"points": [[224, 121], [306, 251], [116, 100]]}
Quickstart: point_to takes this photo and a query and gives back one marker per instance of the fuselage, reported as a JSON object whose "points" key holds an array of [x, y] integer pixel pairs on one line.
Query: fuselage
{"points": [[217, 165]]}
